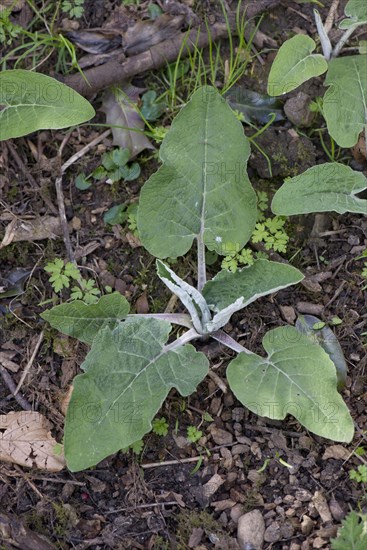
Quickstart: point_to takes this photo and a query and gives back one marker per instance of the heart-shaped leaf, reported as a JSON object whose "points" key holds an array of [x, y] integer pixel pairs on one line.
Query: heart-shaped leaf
{"points": [[294, 64], [298, 378], [328, 341], [128, 374], [32, 101], [345, 102], [202, 189], [83, 321], [322, 188], [356, 11]]}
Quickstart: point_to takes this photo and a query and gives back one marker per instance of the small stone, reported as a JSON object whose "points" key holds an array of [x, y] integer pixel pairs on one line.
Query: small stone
{"points": [[295, 546], [195, 537], [273, 532], [336, 510], [220, 437], [251, 530], [321, 506], [240, 449], [221, 505], [318, 542], [307, 525], [288, 314], [298, 111], [236, 513], [303, 495]]}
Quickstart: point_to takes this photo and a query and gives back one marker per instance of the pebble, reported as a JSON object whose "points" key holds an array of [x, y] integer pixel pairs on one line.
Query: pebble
{"points": [[273, 532], [307, 525], [251, 530], [298, 111], [236, 513], [221, 437]]}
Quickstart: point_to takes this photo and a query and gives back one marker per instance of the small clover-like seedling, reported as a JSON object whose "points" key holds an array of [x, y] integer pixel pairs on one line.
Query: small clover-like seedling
{"points": [[200, 195], [360, 474], [114, 168], [160, 426], [193, 434]]}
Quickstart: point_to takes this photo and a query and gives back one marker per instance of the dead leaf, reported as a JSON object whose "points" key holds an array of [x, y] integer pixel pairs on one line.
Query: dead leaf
{"points": [[336, 451], [6, 360], [120, 110], [43, 227], [25, 439]]}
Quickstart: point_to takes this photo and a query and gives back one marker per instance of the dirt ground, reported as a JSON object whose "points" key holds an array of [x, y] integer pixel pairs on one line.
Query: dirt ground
{"points": [[177, 494]]}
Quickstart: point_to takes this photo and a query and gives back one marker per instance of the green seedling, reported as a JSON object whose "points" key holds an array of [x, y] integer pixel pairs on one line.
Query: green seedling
{"points": [[193, 434], [61, 274], [114, 168], [360, 474], [86, 291], [73, 8], [160, 426], [201, 193], [352, 534], [344, 103]]}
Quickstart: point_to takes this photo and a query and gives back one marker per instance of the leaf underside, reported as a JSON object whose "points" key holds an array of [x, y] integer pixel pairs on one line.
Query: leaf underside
{"points": [[294, 64], [202, 188], [83, 321], [322, 188], [345, 102], [32, 101], [296, 378], [128, 374]]}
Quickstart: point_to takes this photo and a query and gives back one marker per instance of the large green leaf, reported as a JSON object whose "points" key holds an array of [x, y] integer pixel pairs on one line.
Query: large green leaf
{"points": [[128, 374], [83, 321], [298, 378], [249, 284], [322, 188], [294, 64], [356, 10], [345, 102], [202, 189], [328, 341], [32, 101]]}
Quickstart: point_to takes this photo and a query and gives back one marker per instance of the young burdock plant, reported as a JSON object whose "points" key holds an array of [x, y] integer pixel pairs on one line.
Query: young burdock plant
{"points": [[200, 195], [344, 102]]}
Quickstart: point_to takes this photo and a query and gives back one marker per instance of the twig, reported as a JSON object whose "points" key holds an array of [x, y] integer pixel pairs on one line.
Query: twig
{"points": [[218, 381], [29, 176], [170, 462], [152, 505], [77, 156], [336, 294], [26, 406], [30, 363], [63, 220], [160, 54], [329, 21]]}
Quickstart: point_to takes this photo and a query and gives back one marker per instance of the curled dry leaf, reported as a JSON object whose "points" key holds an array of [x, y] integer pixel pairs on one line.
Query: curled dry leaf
{"points": [[119, 107], [25, 439], [43, 227]]}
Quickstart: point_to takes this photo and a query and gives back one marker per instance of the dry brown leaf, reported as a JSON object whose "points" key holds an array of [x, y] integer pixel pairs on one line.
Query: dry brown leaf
{"points": [[25, 439], [127, 124], [44, 227], [338, 452]]}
